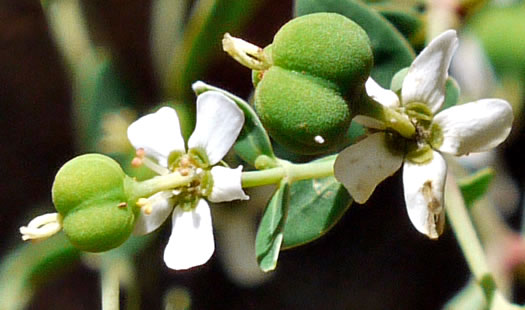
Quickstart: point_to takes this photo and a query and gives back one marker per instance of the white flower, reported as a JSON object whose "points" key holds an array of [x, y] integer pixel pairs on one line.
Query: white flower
{"points": [[158, 135], [471, 127]]}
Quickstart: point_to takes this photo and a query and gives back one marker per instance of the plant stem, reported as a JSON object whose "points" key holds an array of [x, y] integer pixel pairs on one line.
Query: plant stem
{"points": [[69, 29], [110, 282], [159, 183], [471, 246], [464, 230], [293, 172]]}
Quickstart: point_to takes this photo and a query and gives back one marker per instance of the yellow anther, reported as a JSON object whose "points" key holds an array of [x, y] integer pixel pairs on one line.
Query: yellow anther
{"points": [[140, 153], [136, 162], [146, 205], [185, 161]]}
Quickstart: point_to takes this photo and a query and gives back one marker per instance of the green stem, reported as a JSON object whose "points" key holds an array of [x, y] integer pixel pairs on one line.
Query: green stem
{"points": [[293, 172], [69, 29], [110, 282], [390, 118], [468, 239], [159, 183]]}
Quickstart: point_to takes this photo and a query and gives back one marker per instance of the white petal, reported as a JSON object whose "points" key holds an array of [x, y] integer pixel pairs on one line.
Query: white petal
{"points": [[161, 207], [226, 184], [362, 166], [191, 242], [474, 127], [424, 189], [158, 134], [219, 121], [425, 80], [384, 96]]}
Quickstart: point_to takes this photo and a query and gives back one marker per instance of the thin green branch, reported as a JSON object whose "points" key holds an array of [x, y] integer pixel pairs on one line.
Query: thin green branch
{"points": [[110, 284], [471, 247], [293, 172]]}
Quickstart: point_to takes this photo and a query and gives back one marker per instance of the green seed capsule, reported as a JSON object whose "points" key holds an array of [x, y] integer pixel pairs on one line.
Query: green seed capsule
{"points": [[320, 63], [90, 193]]}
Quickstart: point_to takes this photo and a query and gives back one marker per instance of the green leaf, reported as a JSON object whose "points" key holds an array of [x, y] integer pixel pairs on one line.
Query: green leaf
{"points": [[270, 233], [167, 24], [406, 19], [474, 186], [201, 41], [99, 90], [253, 141], [392, 52], [316, 205], [30, 265], [451, 93]]}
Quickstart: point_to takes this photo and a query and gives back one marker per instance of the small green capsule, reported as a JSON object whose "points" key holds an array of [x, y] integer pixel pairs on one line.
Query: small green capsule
{"points": [[89, 192], [320, 63]]}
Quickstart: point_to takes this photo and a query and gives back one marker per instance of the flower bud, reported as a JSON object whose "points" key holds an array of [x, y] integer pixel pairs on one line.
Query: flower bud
{"points": [[320, 63], [89, 192]]}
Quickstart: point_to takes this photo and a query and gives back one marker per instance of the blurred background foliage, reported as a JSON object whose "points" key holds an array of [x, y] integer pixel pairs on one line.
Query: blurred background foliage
{"points": [[122, 58]]}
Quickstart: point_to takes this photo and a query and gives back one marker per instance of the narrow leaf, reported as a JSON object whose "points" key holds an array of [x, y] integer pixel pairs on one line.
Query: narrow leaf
{"points": [[474, 186], [406, 19], [201, 41], [270, 234], [23, 270], [316, 205], [98, 90]]}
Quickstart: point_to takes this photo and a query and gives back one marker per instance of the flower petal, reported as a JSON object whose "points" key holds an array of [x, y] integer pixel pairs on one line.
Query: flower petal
{"points": [[425, 80], [158, 134], [384, 96], [219, 121], [362, 166], [474, 127], [161, 207], [191, 242], [424, 192], [226, 184]]}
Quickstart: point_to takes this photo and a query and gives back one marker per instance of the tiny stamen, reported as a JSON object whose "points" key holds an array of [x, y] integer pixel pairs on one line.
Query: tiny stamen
{"points": [[184, 171], [42, 227], [136, 162], [141, 159], [140, 153], [155, 167], [185, 161], [146, 205]]}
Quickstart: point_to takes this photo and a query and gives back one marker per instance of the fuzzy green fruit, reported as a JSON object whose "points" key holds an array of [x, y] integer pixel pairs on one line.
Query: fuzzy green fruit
{"points": [[320, 63], [89, 192]]}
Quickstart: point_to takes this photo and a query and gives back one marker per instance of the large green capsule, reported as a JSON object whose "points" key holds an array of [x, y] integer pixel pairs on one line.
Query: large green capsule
{"points": [[320, 63], [89, 192]]}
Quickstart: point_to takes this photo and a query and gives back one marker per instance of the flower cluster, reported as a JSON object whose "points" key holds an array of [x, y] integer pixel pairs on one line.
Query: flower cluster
{"points": [[158, 136], [472, 127]]}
